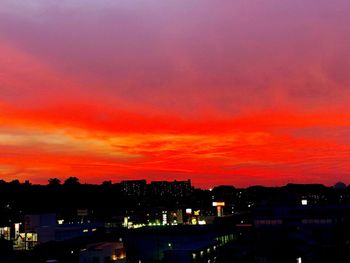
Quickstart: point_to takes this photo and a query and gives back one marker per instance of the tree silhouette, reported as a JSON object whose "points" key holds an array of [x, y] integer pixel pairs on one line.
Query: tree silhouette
{"points": [[15, 182], [54, 181], [107, 183], [72, 181], [340, 186]]}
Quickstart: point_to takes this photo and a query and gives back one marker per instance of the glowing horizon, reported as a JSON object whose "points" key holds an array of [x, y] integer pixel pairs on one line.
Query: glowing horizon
{"points": [[233, 93]]}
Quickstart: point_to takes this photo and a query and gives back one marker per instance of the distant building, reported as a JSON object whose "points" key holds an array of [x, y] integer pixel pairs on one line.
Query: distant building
{"points": [[175, 188], [310, 215], [134, 187]]}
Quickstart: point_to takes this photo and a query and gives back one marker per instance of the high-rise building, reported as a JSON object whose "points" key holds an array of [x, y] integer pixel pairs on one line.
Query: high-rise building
{"points": [[134, 187], [175, 188]]}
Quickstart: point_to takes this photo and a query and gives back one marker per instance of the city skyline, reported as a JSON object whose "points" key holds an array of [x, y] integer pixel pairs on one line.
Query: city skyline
{"points": [[236, 93]]}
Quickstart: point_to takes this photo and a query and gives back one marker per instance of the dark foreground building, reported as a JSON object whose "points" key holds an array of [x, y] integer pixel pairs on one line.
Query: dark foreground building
{"points": [[305, 233], [177, 243]]}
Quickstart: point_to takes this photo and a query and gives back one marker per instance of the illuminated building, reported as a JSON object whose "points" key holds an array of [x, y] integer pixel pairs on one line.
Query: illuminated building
{"points": [[5, 233], [44, 228], [134, 187], [164, 218], [179, 216], [175, 188]]}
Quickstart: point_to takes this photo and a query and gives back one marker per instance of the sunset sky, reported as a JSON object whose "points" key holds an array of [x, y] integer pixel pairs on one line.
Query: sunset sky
{"points": [[222, 92]]}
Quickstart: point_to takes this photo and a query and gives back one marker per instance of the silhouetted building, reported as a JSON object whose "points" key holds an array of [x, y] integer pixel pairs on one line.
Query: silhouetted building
{"points": [[134, 187], [287, 233], [42, 228], [175, 188], [103, 252], [176, 243]]}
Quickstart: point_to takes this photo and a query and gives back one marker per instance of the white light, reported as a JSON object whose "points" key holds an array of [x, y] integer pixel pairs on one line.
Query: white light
{"points": [[299, 260], [126, 221], [304, 202], [17, 229], [218, 203], [188, 211], [164, 218]]}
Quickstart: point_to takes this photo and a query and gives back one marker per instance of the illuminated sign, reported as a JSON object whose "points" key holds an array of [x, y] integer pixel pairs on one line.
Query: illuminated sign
{"points": [[218, 203]]}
